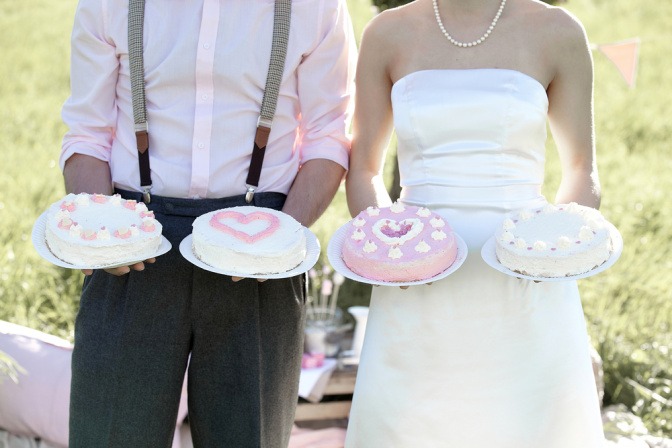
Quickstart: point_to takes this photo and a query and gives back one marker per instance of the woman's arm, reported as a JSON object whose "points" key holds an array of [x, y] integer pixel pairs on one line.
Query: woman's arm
{"points": [[570, 96], [372, 122]]}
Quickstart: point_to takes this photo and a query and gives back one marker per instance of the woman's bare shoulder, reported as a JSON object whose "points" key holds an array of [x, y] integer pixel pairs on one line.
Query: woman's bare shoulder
{"points": [[394, 25], [554, 24]]}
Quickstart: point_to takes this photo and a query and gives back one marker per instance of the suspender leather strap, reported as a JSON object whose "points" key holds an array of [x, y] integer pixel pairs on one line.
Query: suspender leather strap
{"points": [[281, 24], [136, 19]]}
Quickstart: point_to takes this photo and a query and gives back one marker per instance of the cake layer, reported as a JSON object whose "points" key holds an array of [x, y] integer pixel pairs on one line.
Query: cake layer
{"points": [[99, 230], [249, 240], [398, 244], [554, 241]]}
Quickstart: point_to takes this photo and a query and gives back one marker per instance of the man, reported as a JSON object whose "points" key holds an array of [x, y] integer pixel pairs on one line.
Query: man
{"points": [[205, 67]]}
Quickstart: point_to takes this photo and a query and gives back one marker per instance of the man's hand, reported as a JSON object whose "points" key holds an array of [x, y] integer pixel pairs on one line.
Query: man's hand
{"points": [[123, 270], [237, 279]]}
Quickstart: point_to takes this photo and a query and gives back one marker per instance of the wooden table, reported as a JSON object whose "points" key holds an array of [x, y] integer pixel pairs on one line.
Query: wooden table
{"points": [[334, 408]]}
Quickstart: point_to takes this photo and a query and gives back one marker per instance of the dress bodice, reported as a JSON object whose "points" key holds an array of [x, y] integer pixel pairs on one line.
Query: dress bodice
{"points": [[470, 136]]}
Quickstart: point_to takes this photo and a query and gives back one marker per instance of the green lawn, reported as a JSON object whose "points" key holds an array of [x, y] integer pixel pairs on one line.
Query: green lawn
{"points": [[628, 308]]}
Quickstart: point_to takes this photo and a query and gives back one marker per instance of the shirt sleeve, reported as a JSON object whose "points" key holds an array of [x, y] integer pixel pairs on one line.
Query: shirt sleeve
{"points": [[90, 111], [326, 86]]}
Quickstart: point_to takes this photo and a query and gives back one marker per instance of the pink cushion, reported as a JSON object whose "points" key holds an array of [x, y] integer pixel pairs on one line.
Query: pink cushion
{"points": [[38, 406]]}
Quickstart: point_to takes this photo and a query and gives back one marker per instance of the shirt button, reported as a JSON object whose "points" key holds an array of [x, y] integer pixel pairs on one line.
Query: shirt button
{"points": [[206, 46], [201, 145], [204, 97]]}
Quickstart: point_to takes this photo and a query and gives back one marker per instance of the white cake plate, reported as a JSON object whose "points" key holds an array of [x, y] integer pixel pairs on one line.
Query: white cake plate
{"points": [[489, 255], [312, 255], [40, 243], [334, 255]]}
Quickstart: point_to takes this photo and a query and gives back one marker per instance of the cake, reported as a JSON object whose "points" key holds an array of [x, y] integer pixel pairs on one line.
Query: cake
{"points": [[249, 240], [554, 240], [94, 230], [400, 243]]}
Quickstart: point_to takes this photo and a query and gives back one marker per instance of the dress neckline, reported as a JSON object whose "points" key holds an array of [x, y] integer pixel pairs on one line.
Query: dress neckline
{"points": [[471, 70]]}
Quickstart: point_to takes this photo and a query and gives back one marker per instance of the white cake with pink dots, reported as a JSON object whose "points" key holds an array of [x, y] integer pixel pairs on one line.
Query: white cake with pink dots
{"points": [[554, 240], [98, 230], [400, 243]]}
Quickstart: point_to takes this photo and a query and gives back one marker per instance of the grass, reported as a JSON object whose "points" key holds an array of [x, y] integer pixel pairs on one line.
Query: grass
{"points": [[628, 308]]}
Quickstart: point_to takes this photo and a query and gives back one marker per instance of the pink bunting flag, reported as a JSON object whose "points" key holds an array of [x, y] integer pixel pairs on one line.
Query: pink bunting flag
{"points": [[624, 55]]}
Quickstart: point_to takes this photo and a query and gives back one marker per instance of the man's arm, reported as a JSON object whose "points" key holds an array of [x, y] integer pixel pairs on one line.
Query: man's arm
{"points": [[86, 174], [313, 189]]}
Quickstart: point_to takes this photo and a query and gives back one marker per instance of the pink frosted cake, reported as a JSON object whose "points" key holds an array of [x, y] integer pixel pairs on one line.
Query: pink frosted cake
{"points": [[400, 243], [554, 241], [98, 230], [249, 240]]}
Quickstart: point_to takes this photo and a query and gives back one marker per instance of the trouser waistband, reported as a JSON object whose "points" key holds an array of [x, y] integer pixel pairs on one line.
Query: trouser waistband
{"points": [[197, 207]]}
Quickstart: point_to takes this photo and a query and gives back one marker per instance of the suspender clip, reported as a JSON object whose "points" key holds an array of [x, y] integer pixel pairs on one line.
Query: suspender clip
{"points": [[249, 195], [146, 197]]}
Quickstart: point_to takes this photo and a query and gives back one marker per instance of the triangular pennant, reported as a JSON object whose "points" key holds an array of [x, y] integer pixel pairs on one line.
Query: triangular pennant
{"points": [[624, 55]]}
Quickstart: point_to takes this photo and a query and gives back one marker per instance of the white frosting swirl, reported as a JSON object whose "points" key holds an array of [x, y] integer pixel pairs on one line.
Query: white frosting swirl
{"points": [[359, 222], [438, 235], [586, 233], [397, 207], [61, 214], [437, 223], [370, 246], [140, 207], [75, 230], [115, 200], [358, 235], [395, 253], [82, 199], [423, 212], [422, 247], [539, 246], [520, 243], [508, 224], [372, 211], [564, 242], [103, 234], [507, 236], [525, 215]]}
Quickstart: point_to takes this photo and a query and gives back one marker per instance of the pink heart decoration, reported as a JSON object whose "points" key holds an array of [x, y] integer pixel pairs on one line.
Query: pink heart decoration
{"points": [[273, 224]]}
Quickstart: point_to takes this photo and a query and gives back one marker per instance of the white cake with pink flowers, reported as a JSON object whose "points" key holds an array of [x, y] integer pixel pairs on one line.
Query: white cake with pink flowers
{"points": [[400, 243], [249, 240], [94, 230], [554, 240]]}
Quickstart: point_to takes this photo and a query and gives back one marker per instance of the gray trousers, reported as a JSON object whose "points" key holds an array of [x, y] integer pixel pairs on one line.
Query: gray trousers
{"points": [[135, 335]]}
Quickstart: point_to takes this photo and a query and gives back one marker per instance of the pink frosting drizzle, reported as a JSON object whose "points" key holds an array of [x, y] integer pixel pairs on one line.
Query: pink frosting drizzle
{"points": [[274, 224], [69, 206], [130, 204], [65, 224], [98, 198], [147, 227], [122, 233]]}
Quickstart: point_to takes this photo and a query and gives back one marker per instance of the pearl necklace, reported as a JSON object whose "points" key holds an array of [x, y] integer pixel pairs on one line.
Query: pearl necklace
{"points": [[467, 44]]}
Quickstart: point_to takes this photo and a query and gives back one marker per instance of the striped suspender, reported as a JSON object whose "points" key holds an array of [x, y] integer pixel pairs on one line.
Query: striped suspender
{"points": [[281, 24]]}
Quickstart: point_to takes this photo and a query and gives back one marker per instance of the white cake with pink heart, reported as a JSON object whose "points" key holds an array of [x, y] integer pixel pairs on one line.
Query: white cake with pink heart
{"points": [[94, 230], [400, 243], [249, 240]]}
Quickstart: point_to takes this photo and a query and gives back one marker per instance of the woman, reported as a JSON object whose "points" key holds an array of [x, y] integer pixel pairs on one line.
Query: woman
{"points": [[479, 359]]}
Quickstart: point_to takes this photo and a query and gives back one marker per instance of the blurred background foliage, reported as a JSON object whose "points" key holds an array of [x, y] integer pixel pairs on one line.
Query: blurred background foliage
{"points": [[628, 308]]}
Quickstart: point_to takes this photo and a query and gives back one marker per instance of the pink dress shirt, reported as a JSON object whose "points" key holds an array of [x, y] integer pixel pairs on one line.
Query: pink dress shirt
{"points": [[205, 70]]}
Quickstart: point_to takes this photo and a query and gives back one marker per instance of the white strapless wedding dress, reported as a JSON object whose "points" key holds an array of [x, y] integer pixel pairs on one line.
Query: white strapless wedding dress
{"points": [[479, 359]]}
